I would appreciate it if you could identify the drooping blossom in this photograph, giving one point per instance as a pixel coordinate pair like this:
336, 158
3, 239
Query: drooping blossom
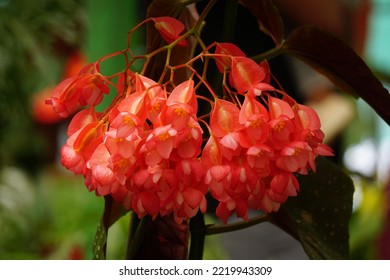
148, 149
170, 29
86, 88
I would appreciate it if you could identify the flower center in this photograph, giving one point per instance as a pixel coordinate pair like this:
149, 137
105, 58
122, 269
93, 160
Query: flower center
279, 126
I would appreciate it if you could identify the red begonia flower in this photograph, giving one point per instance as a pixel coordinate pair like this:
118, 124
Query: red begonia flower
225, 52
248, 76
77, 91
170, 29
224, 118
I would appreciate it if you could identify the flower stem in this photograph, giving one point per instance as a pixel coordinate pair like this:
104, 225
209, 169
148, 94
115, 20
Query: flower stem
197, 226
134, 222
216, 229
203, 15
268, 55
228, 31
136, 236
229, 21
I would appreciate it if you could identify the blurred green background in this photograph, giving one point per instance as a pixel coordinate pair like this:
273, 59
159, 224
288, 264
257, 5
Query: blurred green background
47, 213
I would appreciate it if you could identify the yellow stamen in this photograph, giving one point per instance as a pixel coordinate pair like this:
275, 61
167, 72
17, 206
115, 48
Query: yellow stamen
255, 123
156, 108
127, 120
164, 136
180, 111
279, 126
122, 163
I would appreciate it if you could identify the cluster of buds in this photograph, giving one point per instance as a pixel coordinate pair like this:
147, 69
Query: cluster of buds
152, 151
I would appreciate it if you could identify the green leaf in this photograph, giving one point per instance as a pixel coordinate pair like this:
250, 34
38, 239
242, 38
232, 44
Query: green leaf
112, 212
100, 242
319, 216
336, 60
268, 16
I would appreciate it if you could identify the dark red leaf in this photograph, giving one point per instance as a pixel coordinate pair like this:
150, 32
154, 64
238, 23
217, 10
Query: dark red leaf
159, 239
267, 14
335, 59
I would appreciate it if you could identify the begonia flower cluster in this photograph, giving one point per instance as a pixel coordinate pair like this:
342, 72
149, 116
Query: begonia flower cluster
152, 151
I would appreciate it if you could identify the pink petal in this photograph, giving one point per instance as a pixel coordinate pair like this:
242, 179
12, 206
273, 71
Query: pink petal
278, 107
225, 52
192, 197
246, 73
224, 118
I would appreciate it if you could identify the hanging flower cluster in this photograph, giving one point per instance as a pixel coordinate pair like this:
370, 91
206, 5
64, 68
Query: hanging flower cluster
154, 152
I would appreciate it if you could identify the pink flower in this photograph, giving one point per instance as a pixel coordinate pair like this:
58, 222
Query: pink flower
180, 106
294, 157
170, 29
259, 158
70, 94
100, 176
225, 209
146, 203
282, 186
159, 144
248, 76
64, 98
189, 140
92, 88
224, 54
80, 146
254, 118
281, 122
148, 149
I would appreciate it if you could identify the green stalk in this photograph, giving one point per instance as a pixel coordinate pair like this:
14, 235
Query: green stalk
270, 54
